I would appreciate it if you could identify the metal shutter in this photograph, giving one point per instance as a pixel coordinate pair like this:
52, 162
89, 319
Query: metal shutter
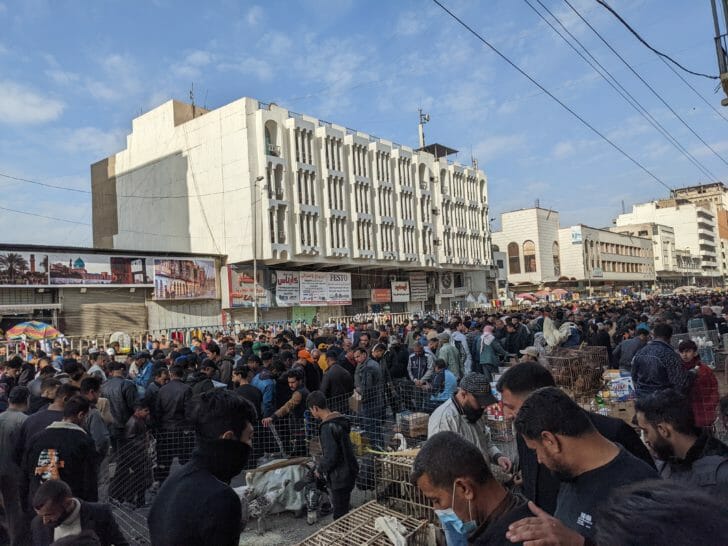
102, 311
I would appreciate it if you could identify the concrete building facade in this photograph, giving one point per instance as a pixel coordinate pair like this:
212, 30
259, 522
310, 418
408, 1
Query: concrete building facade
254, 181
673, 266
538, 253
694, 227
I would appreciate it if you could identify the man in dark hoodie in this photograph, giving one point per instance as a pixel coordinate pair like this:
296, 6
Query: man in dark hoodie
338, 462
197, 506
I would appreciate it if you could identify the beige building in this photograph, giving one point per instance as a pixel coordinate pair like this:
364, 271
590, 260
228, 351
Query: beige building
673, 266
254, 181
694, 227
539, 252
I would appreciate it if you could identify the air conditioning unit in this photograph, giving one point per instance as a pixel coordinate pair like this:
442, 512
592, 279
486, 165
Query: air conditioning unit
423, 185
435, 211
436, 242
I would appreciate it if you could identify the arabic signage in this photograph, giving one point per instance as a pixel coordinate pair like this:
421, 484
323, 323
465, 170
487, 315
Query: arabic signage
418, 286
286, 288
400, 291
381, 295
318, 288
576, 237
242, 288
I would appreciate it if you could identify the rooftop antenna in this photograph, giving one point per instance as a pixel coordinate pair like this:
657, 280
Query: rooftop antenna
538, 203
424, 118
623, 209
192, 98
204, 102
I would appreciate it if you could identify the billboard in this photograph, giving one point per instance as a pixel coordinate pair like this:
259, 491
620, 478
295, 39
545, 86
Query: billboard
400, 291
241, 287
324, 288
418, 286
98, 269
184, 279
23, 268
381, 295
287, 288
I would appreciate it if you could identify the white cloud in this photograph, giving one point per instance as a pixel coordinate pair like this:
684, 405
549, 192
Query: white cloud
254, 16
250, 66
3, 8
62, 77
120, 79
192, 65
703, 151
497, 146
563, 149
93, 141
21, 105
410, 23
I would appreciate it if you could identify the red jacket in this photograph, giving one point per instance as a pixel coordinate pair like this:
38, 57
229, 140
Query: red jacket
704, 395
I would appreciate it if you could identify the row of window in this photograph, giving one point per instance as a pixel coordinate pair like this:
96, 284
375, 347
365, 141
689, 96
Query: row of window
309, 228
530, 265
306, 185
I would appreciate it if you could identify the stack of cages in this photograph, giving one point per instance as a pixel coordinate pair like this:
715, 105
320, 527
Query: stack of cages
579, 372
396, 491
357, 528
709, 344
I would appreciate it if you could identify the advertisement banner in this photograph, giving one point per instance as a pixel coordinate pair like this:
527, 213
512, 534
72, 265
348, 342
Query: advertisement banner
400, 291
446, 283
184, 279
286, 285
339, 288
98, 269
381, 295
418, 286
313, 288
23, 268
242, 288
576, 237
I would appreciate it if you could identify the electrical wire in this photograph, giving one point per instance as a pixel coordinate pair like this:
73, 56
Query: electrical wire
552, 96
700, 96
648, 46
662, 100
618, 87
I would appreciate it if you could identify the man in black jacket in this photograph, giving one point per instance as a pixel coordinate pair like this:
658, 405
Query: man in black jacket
539, 483
64, 451
172, 411
59, 514
338, 462
196, 506
122, 395
337, 384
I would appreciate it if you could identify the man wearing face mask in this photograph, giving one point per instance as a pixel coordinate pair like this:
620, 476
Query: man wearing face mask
196, 506
589, 466
60, 514
463, 414
471, 505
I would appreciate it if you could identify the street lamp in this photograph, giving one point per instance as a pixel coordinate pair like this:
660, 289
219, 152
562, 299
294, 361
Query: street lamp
255, 250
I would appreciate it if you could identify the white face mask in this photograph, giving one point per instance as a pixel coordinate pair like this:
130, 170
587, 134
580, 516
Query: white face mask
448, 518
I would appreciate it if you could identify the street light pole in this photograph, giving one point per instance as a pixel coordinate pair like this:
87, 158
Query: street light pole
255, 250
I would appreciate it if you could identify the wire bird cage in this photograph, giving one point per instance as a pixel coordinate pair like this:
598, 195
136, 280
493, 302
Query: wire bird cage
579, 371
392, 475
709, 342
357, 529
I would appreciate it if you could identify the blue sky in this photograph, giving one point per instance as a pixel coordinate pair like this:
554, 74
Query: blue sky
73, 74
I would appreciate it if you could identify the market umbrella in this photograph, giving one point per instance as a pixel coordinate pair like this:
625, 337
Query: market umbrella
32, 330
526, 296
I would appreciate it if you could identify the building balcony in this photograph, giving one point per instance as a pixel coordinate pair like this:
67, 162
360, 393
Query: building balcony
273, 150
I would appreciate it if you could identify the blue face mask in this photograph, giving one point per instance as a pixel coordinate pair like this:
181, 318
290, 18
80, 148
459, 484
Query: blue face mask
451, 521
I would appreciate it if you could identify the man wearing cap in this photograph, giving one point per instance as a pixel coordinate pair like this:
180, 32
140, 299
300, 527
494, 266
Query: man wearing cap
530, 354
463, 414
449, 353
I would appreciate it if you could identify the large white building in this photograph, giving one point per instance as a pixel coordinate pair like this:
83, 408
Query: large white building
673, 266
694, 227
251, 180
539, 253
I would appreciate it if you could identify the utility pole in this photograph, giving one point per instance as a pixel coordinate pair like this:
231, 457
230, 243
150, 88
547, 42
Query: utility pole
424, 118
256, 201
721, 45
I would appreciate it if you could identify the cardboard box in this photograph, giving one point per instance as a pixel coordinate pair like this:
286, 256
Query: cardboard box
414, 424
622, 410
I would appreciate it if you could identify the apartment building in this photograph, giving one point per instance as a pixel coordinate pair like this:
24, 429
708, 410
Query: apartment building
539, 253
258, 183
673, 266
694, 227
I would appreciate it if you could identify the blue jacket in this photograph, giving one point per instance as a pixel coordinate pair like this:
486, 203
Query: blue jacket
144, 377
265, 383
450, 383
657, 367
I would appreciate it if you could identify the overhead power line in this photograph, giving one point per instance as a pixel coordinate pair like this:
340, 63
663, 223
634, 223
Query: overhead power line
618, 87
662, 100
648, 46
551, 95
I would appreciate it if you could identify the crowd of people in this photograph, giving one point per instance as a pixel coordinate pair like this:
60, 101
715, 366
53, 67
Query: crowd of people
81, 429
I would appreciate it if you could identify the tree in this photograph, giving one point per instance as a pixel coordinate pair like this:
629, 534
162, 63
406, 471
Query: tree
14, 265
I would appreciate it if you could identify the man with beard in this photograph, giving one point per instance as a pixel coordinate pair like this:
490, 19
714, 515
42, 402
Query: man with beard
462, 414
197, 506
60, 514
539, 484
589, 466
686, 455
